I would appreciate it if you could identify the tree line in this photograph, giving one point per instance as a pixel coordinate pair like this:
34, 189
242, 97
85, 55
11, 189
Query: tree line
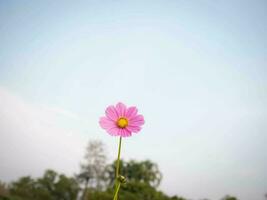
95, 181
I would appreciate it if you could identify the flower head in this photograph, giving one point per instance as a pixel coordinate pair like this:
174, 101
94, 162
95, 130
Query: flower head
121, 121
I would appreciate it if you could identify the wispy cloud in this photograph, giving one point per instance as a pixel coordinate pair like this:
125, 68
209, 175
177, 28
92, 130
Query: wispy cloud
32, 140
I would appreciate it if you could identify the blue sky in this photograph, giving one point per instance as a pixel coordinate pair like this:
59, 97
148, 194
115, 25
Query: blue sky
195, 69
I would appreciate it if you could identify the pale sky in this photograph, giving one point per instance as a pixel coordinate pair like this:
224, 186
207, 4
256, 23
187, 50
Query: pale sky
195, 69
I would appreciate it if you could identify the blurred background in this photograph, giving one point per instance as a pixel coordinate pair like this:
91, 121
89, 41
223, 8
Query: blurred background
196, 70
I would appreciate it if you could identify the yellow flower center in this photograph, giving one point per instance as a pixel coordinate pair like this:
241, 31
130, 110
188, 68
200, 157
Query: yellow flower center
122, 122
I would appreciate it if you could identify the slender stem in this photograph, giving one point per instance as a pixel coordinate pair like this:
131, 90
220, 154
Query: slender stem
117, 183
117, 191
118, 160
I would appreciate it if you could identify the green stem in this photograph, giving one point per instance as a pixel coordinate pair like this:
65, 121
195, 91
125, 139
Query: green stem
117, 183
118, 160
117, 192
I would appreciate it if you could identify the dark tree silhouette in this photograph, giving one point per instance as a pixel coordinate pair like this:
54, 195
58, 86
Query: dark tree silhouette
229, 197
51, 186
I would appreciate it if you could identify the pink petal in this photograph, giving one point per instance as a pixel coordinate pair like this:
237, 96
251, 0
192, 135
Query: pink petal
114, 131
106, 123
111, 113
125, 133
138, 120
134, 129
121, 109
131, 112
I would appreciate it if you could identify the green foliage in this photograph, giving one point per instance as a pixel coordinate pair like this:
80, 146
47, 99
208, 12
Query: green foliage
143, 171
228, 197
142, 181
24, 188
51, 186
129, 191
93, 194
141, 190
94, 182
179, 198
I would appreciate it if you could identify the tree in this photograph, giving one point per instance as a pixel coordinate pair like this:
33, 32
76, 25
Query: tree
66, 188
228, 197
141, 190
93, 167
178, 198
142, 179
51, 186
3, 190
24, 188
143, 172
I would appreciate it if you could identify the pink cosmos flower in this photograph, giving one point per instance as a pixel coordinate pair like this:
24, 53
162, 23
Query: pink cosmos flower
121, 121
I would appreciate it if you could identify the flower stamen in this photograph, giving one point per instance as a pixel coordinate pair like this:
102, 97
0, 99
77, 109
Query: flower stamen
122, 122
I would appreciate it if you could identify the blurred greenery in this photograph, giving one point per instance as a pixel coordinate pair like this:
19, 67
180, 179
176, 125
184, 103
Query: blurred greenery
228, 197
52, 186
95, 181
139, 172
